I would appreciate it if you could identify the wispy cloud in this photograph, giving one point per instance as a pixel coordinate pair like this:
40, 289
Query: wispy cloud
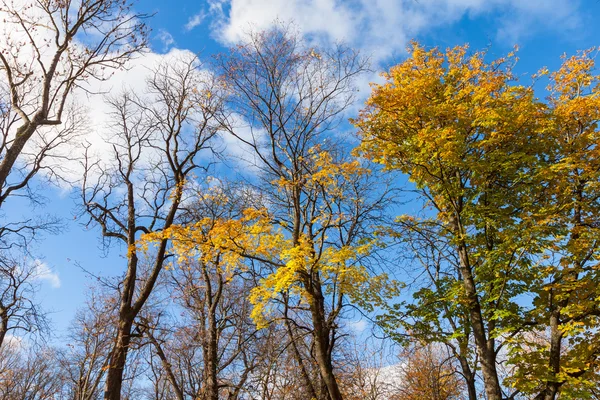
43, 272
358, 326
166, 39
194, 21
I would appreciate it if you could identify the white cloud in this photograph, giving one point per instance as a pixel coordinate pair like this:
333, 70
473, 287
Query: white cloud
194, 21
93, 123
98, 120
358, 326
166, 39
382, 28
15, 343
43, 272
327, 17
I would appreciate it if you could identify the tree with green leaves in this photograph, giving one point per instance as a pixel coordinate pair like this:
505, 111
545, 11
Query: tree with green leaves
465, 133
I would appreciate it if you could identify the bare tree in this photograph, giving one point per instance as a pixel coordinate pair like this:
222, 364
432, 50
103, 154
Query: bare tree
280, 376
29, 373
158, 141
50, 48
18, 310
85, 359
203, 356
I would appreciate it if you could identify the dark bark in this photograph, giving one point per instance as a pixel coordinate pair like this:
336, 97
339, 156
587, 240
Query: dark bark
552, 387
118, 359
469, 378
484, 344
3, 325
23, 134
211, 344
311, 393
322, 342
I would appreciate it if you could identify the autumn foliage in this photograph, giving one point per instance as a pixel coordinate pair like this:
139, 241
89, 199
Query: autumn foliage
449, 252
509, 185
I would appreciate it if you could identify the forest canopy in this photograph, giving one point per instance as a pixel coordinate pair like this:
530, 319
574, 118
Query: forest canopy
456, 210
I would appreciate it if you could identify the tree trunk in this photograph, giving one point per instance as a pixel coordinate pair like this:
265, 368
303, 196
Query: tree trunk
469, 378
118, 359
210, 357
24, 133
556, 335
3, 326
551, 389
485, 346
321, 335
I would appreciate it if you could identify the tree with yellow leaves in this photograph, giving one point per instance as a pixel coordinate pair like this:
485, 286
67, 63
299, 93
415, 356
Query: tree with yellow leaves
322, 204
562, 355
313, 232
511, 190
465, 133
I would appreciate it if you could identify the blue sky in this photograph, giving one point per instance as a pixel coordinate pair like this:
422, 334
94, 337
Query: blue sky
543, 29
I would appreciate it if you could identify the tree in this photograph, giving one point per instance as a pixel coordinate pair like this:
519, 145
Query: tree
52, 48
562, 354
158, 142
29, 373
84, 361
312, 238
210, 348
467, 136
18, 311
428, 373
